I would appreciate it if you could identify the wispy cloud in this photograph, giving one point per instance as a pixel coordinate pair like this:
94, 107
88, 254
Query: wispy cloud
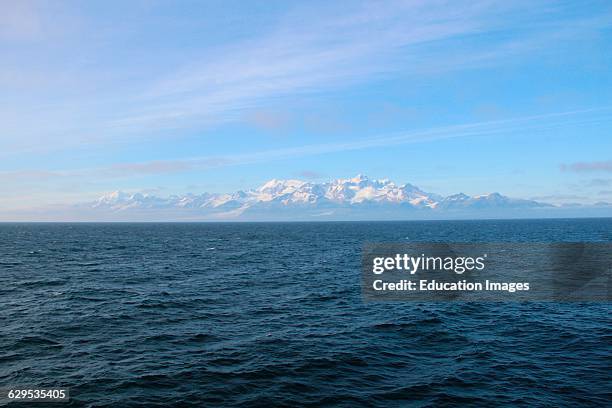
584, 167
512, 126
311, 54
309, 51
308, 54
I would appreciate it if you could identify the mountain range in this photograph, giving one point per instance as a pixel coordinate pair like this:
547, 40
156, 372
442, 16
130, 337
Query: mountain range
354, 198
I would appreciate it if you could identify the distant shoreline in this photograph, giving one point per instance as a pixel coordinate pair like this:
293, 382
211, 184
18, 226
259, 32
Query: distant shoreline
311, 221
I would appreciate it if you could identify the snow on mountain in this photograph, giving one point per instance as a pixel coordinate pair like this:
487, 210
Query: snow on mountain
356, 193
119, 200
490, 201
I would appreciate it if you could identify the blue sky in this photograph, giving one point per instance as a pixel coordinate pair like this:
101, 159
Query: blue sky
190, 96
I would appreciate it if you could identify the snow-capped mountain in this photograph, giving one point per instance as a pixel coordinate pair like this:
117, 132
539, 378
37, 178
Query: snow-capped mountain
490, 201
295, 198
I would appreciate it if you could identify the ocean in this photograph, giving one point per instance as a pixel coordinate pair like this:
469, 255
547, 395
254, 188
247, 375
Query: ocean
272, 314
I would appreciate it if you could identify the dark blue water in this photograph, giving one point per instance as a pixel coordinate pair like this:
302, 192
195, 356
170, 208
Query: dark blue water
272, 315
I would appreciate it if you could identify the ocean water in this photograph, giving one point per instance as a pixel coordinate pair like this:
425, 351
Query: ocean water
272, 315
